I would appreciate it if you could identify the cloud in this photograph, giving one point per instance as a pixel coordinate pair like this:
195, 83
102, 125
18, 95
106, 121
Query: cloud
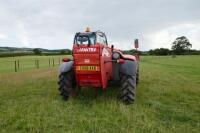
165, 37
22, 34
53, 23
3, 36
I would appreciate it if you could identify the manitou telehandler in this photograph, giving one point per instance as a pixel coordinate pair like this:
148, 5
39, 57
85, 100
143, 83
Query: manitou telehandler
97, 65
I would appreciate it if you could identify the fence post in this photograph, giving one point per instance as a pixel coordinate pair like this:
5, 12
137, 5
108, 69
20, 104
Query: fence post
49, 62
53, 62
15, 66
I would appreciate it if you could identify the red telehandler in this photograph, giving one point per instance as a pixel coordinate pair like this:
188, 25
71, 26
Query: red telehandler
97, 65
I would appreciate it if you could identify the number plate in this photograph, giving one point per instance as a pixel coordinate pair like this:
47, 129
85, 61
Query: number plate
87, 68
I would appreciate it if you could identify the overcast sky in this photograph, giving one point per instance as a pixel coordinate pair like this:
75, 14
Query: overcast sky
52, 24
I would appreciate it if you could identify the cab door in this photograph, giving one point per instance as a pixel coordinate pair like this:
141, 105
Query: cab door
106, 56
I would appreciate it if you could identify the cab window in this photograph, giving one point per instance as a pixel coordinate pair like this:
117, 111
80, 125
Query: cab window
101, 39
104, 40
85, 39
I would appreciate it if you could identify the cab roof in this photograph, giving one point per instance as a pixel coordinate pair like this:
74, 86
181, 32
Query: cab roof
89, 33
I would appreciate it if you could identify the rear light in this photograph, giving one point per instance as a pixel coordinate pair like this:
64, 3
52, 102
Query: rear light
120, 61
66, 59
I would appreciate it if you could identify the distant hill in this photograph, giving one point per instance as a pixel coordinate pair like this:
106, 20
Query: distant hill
29, 50
14, 51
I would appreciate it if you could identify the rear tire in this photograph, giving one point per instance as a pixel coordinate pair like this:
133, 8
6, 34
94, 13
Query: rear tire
66, 84
137, 76
128, 87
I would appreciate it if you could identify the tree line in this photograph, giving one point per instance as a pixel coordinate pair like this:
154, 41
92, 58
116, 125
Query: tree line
36, 51
181, 46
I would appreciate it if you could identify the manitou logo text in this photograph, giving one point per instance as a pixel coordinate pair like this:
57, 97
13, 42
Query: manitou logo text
87, 50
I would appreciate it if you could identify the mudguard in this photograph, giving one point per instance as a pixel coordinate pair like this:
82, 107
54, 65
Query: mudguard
128, 68
66, 67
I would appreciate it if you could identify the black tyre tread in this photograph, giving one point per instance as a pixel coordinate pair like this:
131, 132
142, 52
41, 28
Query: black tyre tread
65, 84
128, 87
137, 76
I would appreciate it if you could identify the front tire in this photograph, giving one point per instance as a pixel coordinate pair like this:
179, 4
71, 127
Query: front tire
128, 87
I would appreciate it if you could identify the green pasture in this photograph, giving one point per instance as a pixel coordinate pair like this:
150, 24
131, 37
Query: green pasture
167, 101
7, 64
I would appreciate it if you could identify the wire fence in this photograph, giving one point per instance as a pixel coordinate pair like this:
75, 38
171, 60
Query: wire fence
22, 64
17, 64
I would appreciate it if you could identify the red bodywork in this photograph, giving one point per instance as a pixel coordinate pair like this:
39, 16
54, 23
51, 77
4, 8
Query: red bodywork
127, 57
93, 56
93, 63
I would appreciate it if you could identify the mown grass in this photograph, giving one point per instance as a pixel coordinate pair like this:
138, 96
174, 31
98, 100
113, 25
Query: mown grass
168, 100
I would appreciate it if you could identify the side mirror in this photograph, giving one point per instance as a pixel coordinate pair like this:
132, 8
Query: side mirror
136, 44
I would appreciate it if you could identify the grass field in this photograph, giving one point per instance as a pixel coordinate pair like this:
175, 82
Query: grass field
28, 62
168, 100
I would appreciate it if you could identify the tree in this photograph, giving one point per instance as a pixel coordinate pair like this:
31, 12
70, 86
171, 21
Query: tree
131, 52
181, 45
159, 51
62, 52
37, 51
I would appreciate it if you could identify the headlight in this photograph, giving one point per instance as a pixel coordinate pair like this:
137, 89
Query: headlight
116, 56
